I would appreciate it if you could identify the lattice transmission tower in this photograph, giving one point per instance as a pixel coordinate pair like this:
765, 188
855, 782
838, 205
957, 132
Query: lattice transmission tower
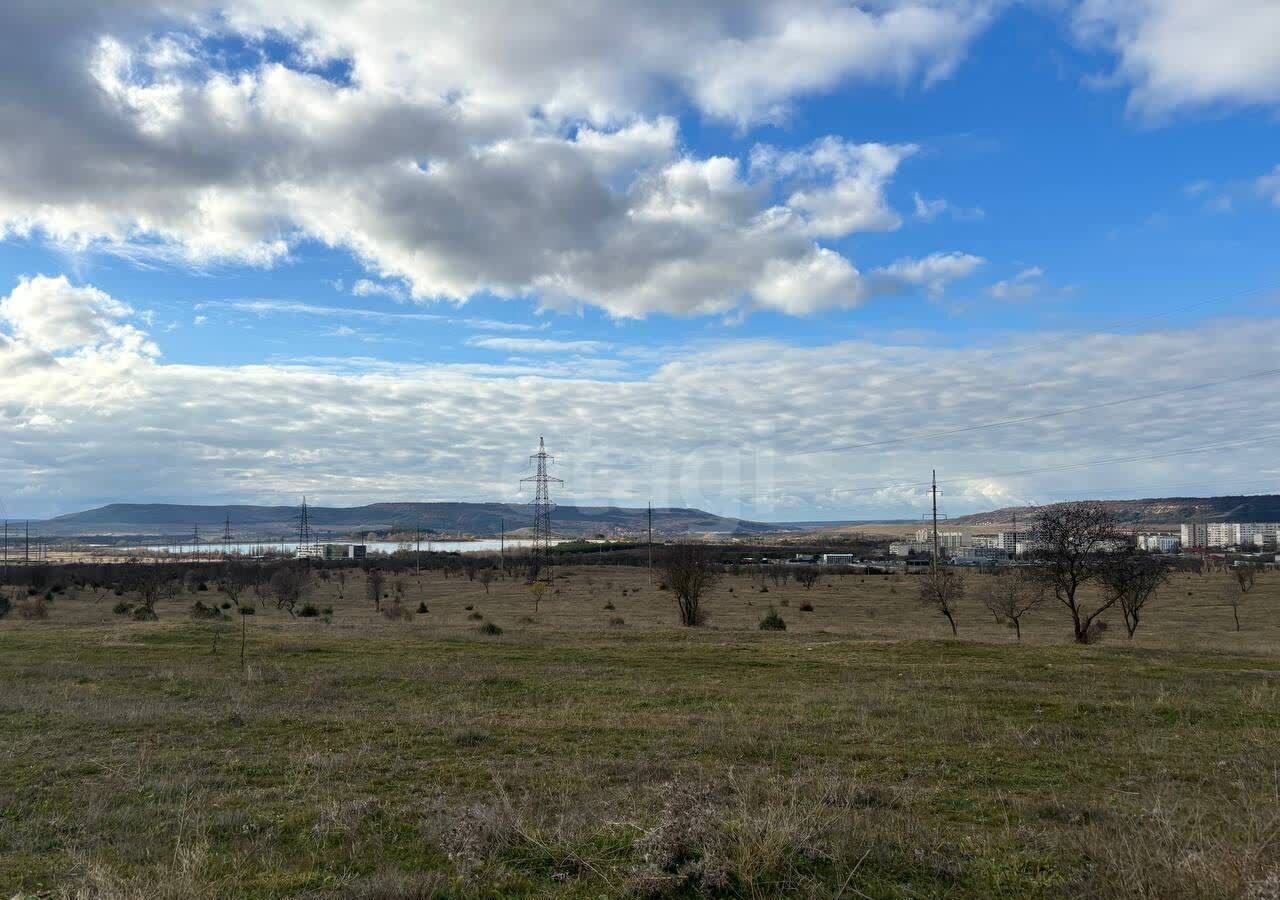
540, 552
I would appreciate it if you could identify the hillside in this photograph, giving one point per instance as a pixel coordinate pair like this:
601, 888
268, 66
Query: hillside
161, 519
1156, 511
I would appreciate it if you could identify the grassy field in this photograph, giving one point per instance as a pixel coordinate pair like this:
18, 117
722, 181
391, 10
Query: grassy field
593, 749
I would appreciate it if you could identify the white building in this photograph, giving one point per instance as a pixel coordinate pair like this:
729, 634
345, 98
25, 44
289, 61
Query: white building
837, 559
947, 540
1220, 534
907, 548
1159, 543
1237, 534
1195, 534
1007, 540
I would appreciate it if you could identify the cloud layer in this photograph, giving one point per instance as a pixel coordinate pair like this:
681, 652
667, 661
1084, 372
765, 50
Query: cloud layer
463, 151
737, 428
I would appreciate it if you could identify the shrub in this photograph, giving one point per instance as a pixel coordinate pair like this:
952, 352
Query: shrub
468, 608
617, 621
5, 606
308, 611
328, 610
609, 605
422, 608
806, 606
491, 629
475, 616
33, 608
226, 605
200, 611
247, 610
772, 621
122, 608
144, 614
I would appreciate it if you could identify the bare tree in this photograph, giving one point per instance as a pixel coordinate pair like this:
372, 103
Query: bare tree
1233, 595
807, 575
486, 578
1132, 579
288, 585
1012, 596
232, 583
689, 573
1068, 541
373, 584
1246, 577
942, 590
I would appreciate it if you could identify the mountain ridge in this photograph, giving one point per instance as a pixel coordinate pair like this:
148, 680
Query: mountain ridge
1156, 510
250, 520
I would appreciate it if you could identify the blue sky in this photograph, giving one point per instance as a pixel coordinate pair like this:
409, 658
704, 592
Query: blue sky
801, 225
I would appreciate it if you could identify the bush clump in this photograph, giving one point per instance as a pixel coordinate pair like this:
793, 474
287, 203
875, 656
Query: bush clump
5, 606
122, 608
422, 608
772, 621
491, 628
200, 611
806, 606
33, 608
308, 611
475, 616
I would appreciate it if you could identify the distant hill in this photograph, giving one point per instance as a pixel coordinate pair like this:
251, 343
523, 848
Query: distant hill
261, 522
1156, 511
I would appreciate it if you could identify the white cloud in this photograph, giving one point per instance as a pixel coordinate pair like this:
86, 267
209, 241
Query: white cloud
1187, 54
51, 314
934, 272
1024, 286
731, 427
536, 345
455, 160
929, 210
366, 288
1269, 186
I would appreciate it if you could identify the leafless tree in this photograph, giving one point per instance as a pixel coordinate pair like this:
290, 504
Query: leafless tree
1068, 541
342, 582
1233, 595
1246, 577
941, 591
1012, 596
1132, 579
232, 583
689, 572
288, 585
486, 578
151, 586
807, 575
373, 584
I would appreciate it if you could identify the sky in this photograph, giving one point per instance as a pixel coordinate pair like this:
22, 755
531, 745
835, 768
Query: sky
777, 260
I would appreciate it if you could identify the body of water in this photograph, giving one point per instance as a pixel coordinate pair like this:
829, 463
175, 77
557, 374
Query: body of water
255, 548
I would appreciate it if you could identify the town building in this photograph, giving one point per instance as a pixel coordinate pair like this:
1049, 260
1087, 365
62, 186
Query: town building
1159, 543
1195, 534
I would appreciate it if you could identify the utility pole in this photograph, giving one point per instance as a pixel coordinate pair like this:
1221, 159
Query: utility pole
417, 555
195, 541
650, 543
26, 543
934, 492
502, 545
226, 539
542, 507
1015, 536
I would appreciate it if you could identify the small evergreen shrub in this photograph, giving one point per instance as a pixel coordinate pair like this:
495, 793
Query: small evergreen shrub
772, 621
